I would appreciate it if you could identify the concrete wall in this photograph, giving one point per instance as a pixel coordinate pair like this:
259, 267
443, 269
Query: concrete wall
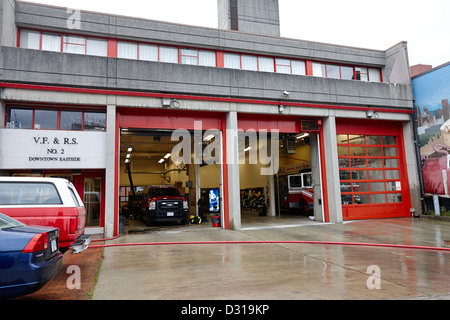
67, 69
19, 65
8, 33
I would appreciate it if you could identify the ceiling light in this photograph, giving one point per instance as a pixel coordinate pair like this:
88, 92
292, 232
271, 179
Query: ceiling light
248, 148
302, 135
127, 160
161, 161
208, 138
167, 156
128, 155
130, 149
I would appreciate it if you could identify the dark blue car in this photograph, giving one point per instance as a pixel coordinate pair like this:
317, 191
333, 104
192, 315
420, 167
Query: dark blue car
29, 257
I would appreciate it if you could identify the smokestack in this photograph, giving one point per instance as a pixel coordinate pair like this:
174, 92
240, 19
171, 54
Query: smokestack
251, 16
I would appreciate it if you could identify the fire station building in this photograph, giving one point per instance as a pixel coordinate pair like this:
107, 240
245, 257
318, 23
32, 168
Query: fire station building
98, 99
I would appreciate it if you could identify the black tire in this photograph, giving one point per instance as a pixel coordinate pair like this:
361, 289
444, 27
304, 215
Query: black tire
304, 209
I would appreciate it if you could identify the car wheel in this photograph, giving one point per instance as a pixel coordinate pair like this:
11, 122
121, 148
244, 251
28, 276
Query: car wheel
304, 209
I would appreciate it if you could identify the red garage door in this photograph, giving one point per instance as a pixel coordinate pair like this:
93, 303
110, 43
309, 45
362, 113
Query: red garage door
372, 170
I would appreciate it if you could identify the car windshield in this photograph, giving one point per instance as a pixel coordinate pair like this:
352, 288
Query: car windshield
7, 222
163, 192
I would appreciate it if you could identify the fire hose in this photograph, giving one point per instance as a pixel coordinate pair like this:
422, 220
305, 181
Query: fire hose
363, 244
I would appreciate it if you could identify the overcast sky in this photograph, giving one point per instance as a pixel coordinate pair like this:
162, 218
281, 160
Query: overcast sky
377, 24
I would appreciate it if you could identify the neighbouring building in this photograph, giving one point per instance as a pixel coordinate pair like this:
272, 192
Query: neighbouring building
431, 90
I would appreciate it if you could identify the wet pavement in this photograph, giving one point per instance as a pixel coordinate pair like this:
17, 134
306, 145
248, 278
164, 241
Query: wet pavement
279, 271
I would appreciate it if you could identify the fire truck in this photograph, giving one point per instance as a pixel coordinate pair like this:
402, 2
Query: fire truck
296, 192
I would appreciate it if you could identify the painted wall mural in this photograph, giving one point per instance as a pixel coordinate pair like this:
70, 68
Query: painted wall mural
432, 94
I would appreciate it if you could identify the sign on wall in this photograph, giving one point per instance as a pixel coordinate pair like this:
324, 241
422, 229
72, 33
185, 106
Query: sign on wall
48, 149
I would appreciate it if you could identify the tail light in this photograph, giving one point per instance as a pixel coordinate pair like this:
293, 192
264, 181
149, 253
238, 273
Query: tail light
38, 243
74, 226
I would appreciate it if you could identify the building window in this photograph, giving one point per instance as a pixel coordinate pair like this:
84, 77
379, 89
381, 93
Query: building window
74, 44
19, 118
51, 42
96, 47
168, 54
289, 66
266, 64
70, 43
374, 75
248, 62
189, 56
157, 53
232, 61
45, 119
369, 169
54, 119
71, 120
207, 58
127, 50
335, 71
148, 52
347, 73
198, 57
94, 121
30, 39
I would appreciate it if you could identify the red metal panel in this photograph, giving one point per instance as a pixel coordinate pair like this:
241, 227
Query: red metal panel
269, 122
112, 48
168, 119
368, 127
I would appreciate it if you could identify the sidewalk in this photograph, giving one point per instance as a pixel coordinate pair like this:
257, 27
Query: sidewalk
264, 271
88, 262
281, 271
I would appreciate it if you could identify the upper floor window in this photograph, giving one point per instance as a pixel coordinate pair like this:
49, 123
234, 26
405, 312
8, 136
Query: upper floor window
48, 41
263, 63
335, 71
248, 62
78, 44
289, 66
198, 57
151, 52
55, 119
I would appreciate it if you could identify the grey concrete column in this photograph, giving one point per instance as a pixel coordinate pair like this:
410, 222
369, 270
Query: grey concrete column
2, 113
110, 175
232, 158
316, 176
271, 209
412, 167
332, 169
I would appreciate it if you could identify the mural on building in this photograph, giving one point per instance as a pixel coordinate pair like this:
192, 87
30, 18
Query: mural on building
432, 94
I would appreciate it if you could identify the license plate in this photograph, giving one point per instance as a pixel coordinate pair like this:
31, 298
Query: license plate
170, 214
53, 245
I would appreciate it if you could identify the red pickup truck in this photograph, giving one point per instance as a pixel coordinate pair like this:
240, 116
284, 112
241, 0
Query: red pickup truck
50, 202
